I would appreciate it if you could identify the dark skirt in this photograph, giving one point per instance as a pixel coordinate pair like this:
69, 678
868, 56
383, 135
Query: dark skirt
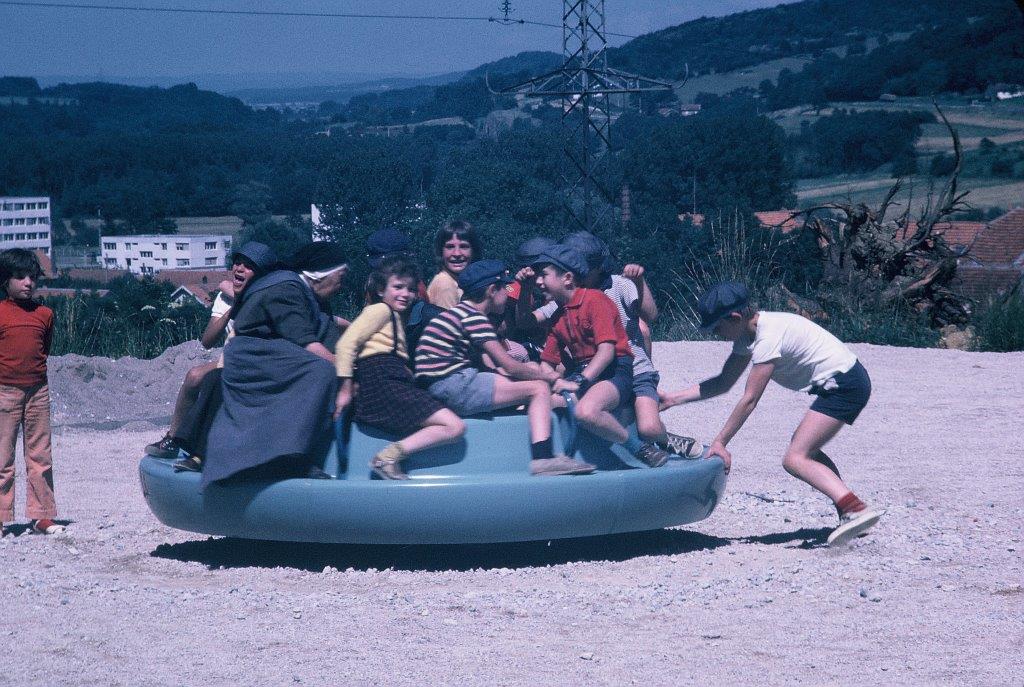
278, 399
388, 397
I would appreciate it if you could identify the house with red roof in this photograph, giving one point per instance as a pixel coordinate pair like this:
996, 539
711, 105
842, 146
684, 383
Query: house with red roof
994, 261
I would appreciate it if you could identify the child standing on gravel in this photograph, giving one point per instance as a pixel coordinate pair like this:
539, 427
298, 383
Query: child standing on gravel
26, 330
799, 355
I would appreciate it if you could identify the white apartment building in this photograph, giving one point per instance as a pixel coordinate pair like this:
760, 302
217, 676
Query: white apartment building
25, 223
151, 253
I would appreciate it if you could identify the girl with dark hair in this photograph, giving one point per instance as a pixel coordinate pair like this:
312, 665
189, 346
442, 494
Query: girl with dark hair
373, 354
456, 245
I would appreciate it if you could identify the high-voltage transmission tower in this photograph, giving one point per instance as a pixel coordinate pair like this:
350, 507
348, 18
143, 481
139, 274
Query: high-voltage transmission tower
592, 95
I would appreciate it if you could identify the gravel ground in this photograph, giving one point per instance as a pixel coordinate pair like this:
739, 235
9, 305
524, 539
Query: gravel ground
933, 595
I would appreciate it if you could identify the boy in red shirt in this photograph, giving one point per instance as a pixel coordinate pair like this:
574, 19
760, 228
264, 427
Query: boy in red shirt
588, 339
26, 329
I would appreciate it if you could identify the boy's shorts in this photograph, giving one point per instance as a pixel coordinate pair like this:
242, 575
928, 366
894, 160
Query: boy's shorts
468, 391
620, 373
645, 385
845, 401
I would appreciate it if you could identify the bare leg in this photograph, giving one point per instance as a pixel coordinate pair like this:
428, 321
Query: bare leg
648, 420
442, 427
187, 394
592, 411
814, 431
537, 393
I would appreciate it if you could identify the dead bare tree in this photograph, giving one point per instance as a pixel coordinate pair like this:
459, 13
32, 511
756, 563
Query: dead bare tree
897, 261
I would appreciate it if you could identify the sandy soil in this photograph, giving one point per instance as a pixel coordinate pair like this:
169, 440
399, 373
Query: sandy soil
933, 595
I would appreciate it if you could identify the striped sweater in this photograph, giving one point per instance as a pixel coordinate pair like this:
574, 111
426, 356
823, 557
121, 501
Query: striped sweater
452, 341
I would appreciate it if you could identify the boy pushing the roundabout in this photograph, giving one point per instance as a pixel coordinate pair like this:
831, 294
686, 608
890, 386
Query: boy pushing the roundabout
799, 355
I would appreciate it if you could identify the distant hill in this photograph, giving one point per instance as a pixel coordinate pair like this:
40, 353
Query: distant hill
340, 93
802, 28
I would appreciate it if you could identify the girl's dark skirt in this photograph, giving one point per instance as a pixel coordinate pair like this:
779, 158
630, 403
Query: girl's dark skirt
388, 397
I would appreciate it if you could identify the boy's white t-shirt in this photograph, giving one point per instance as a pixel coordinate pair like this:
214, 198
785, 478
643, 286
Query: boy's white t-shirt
805, 354
221, 304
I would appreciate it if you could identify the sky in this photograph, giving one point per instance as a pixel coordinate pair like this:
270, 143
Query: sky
52, 43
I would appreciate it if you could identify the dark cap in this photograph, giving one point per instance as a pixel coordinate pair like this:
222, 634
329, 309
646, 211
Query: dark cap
721, 300
318, 256
564, 258
594, 250
384, 242
531, 249
483, 273
260, 255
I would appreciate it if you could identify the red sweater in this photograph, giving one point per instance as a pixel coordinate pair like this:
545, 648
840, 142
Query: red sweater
26, 329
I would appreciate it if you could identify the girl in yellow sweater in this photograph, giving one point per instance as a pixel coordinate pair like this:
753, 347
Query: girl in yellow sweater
372, 353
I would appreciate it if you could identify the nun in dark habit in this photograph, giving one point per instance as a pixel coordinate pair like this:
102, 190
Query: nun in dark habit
279, 382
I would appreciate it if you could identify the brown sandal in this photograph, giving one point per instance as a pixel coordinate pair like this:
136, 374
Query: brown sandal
385, 463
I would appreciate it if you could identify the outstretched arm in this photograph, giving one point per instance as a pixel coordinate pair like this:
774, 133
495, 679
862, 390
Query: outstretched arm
515, 369
709, 388
757, 380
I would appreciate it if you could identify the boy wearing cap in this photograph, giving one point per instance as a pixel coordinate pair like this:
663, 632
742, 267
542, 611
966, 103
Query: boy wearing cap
587, 338
799, 355
449, 364
635, 303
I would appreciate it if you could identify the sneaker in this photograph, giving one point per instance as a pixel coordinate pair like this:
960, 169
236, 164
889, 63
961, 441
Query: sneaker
685, 447
652, 455
45, 526
852, 525
188, 464
316, 473
559, 465
167, 448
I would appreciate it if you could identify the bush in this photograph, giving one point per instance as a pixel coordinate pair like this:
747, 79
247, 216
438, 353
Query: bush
135, 319
1000, 325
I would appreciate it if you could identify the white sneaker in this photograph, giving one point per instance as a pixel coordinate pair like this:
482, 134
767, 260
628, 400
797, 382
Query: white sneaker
853, 525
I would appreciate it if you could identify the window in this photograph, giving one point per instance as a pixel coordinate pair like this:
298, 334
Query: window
181, 246
8, 206
211, 261
227, 244
43, 205
210, 245
146, 254
8, 222
163, 246
146, 269
31, 220
163, 261
30, 206
5, 237
182, 262
44, 235
19, 206
110, 262
19, 237
31, 236
44, 220
107, 245
19, 221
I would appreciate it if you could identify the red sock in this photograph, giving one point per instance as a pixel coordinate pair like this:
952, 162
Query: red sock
850, 504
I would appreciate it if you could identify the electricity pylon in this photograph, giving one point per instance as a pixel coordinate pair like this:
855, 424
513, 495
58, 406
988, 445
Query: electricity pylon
592, 95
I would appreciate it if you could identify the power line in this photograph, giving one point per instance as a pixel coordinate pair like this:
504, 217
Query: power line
282, 13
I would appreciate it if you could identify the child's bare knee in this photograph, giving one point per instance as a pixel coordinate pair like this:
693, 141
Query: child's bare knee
456, 427
649, 427
194, 377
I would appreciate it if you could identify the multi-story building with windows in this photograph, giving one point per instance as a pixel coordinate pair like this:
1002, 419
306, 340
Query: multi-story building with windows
25, 223
151, 253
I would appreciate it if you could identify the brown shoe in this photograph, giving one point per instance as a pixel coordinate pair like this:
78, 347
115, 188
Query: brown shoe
652, 455
560, 465
386, 463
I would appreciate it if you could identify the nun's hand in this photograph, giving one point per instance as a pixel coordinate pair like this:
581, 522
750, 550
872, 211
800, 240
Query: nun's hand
344, 399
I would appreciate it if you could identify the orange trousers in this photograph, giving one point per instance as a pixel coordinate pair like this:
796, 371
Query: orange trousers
28, 409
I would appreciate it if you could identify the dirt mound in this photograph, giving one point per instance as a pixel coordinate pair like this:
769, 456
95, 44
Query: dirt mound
105, 393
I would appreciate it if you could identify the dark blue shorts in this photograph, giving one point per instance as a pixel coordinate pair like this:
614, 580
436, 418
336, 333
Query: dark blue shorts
848, 398
620, 373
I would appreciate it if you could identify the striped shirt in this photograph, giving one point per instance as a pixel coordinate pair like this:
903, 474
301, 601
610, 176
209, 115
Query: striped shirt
452, 341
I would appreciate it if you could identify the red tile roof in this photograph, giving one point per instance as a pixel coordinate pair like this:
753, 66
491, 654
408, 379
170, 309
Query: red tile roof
45, 263
1002, 241
197, 291
780, 219
956, 232
979, 282
203, 278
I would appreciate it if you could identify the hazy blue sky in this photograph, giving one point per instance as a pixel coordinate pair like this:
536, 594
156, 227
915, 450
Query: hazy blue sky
92, 43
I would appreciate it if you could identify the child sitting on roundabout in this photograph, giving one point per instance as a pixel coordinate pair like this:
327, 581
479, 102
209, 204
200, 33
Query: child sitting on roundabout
449, 363
799, 355
372, 353
587, 339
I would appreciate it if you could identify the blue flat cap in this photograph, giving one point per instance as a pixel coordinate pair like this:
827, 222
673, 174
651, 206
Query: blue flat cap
483, 273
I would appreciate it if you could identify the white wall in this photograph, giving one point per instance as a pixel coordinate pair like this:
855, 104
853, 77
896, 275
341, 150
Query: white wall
25, 223
147, 254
